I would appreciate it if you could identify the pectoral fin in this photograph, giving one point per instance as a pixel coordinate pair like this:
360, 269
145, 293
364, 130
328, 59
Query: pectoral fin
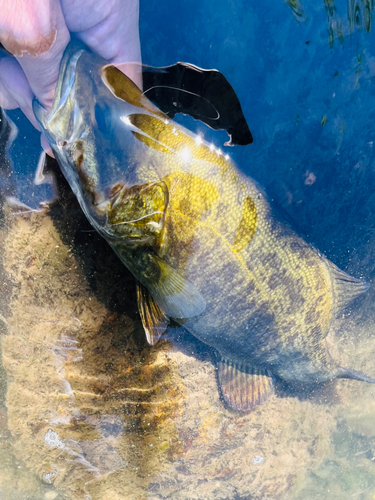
154, 321
175, 296
243, 387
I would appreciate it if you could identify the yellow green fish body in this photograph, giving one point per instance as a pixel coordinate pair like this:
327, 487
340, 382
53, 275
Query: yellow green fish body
202, 239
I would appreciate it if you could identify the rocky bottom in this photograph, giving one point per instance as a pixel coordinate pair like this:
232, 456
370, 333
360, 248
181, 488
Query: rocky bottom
92, 412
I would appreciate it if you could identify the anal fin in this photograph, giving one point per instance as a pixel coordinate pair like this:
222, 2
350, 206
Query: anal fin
243, 387
154, 321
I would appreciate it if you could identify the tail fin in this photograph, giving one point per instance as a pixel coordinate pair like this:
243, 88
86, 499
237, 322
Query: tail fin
346, 288
354, 375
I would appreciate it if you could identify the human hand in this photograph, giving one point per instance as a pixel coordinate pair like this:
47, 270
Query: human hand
36, 32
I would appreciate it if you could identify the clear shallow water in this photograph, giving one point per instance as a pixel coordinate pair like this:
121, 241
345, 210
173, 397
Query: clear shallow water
72, 321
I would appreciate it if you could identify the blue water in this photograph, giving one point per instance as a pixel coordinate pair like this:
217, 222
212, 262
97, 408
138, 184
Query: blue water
288, 77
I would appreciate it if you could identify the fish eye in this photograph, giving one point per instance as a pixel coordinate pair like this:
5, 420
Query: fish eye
103, 117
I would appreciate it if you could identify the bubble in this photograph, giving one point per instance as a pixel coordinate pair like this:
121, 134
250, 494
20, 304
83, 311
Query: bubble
52, 439
257, 460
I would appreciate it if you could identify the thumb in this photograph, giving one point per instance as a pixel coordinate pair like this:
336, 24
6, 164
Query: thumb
35, 32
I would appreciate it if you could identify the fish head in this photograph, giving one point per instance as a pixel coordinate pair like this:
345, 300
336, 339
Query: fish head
120, 154
89, 131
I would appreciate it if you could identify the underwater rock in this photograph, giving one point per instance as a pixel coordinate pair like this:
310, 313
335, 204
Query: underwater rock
84, 401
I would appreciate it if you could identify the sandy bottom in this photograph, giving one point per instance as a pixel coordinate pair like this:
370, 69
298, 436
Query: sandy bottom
90, 411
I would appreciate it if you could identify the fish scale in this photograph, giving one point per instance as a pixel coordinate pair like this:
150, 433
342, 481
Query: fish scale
206, 246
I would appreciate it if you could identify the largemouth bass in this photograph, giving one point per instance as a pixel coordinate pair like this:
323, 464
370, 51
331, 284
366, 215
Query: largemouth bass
202, 239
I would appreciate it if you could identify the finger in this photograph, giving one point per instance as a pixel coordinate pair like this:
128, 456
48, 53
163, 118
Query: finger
26, 26
45, 145
15, 91
133, 71
109, 28
36, 33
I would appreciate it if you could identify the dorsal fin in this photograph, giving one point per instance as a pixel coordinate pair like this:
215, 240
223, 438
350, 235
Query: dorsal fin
345, 287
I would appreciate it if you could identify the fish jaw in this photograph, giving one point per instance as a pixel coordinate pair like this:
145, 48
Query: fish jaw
65, 129
59, 124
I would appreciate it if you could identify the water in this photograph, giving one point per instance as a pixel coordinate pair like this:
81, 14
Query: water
88, 410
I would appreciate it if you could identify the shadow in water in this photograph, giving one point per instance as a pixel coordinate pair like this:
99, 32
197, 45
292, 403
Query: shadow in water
110, 281
322, 394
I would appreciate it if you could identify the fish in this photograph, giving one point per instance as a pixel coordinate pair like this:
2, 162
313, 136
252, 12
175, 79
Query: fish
207, 248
